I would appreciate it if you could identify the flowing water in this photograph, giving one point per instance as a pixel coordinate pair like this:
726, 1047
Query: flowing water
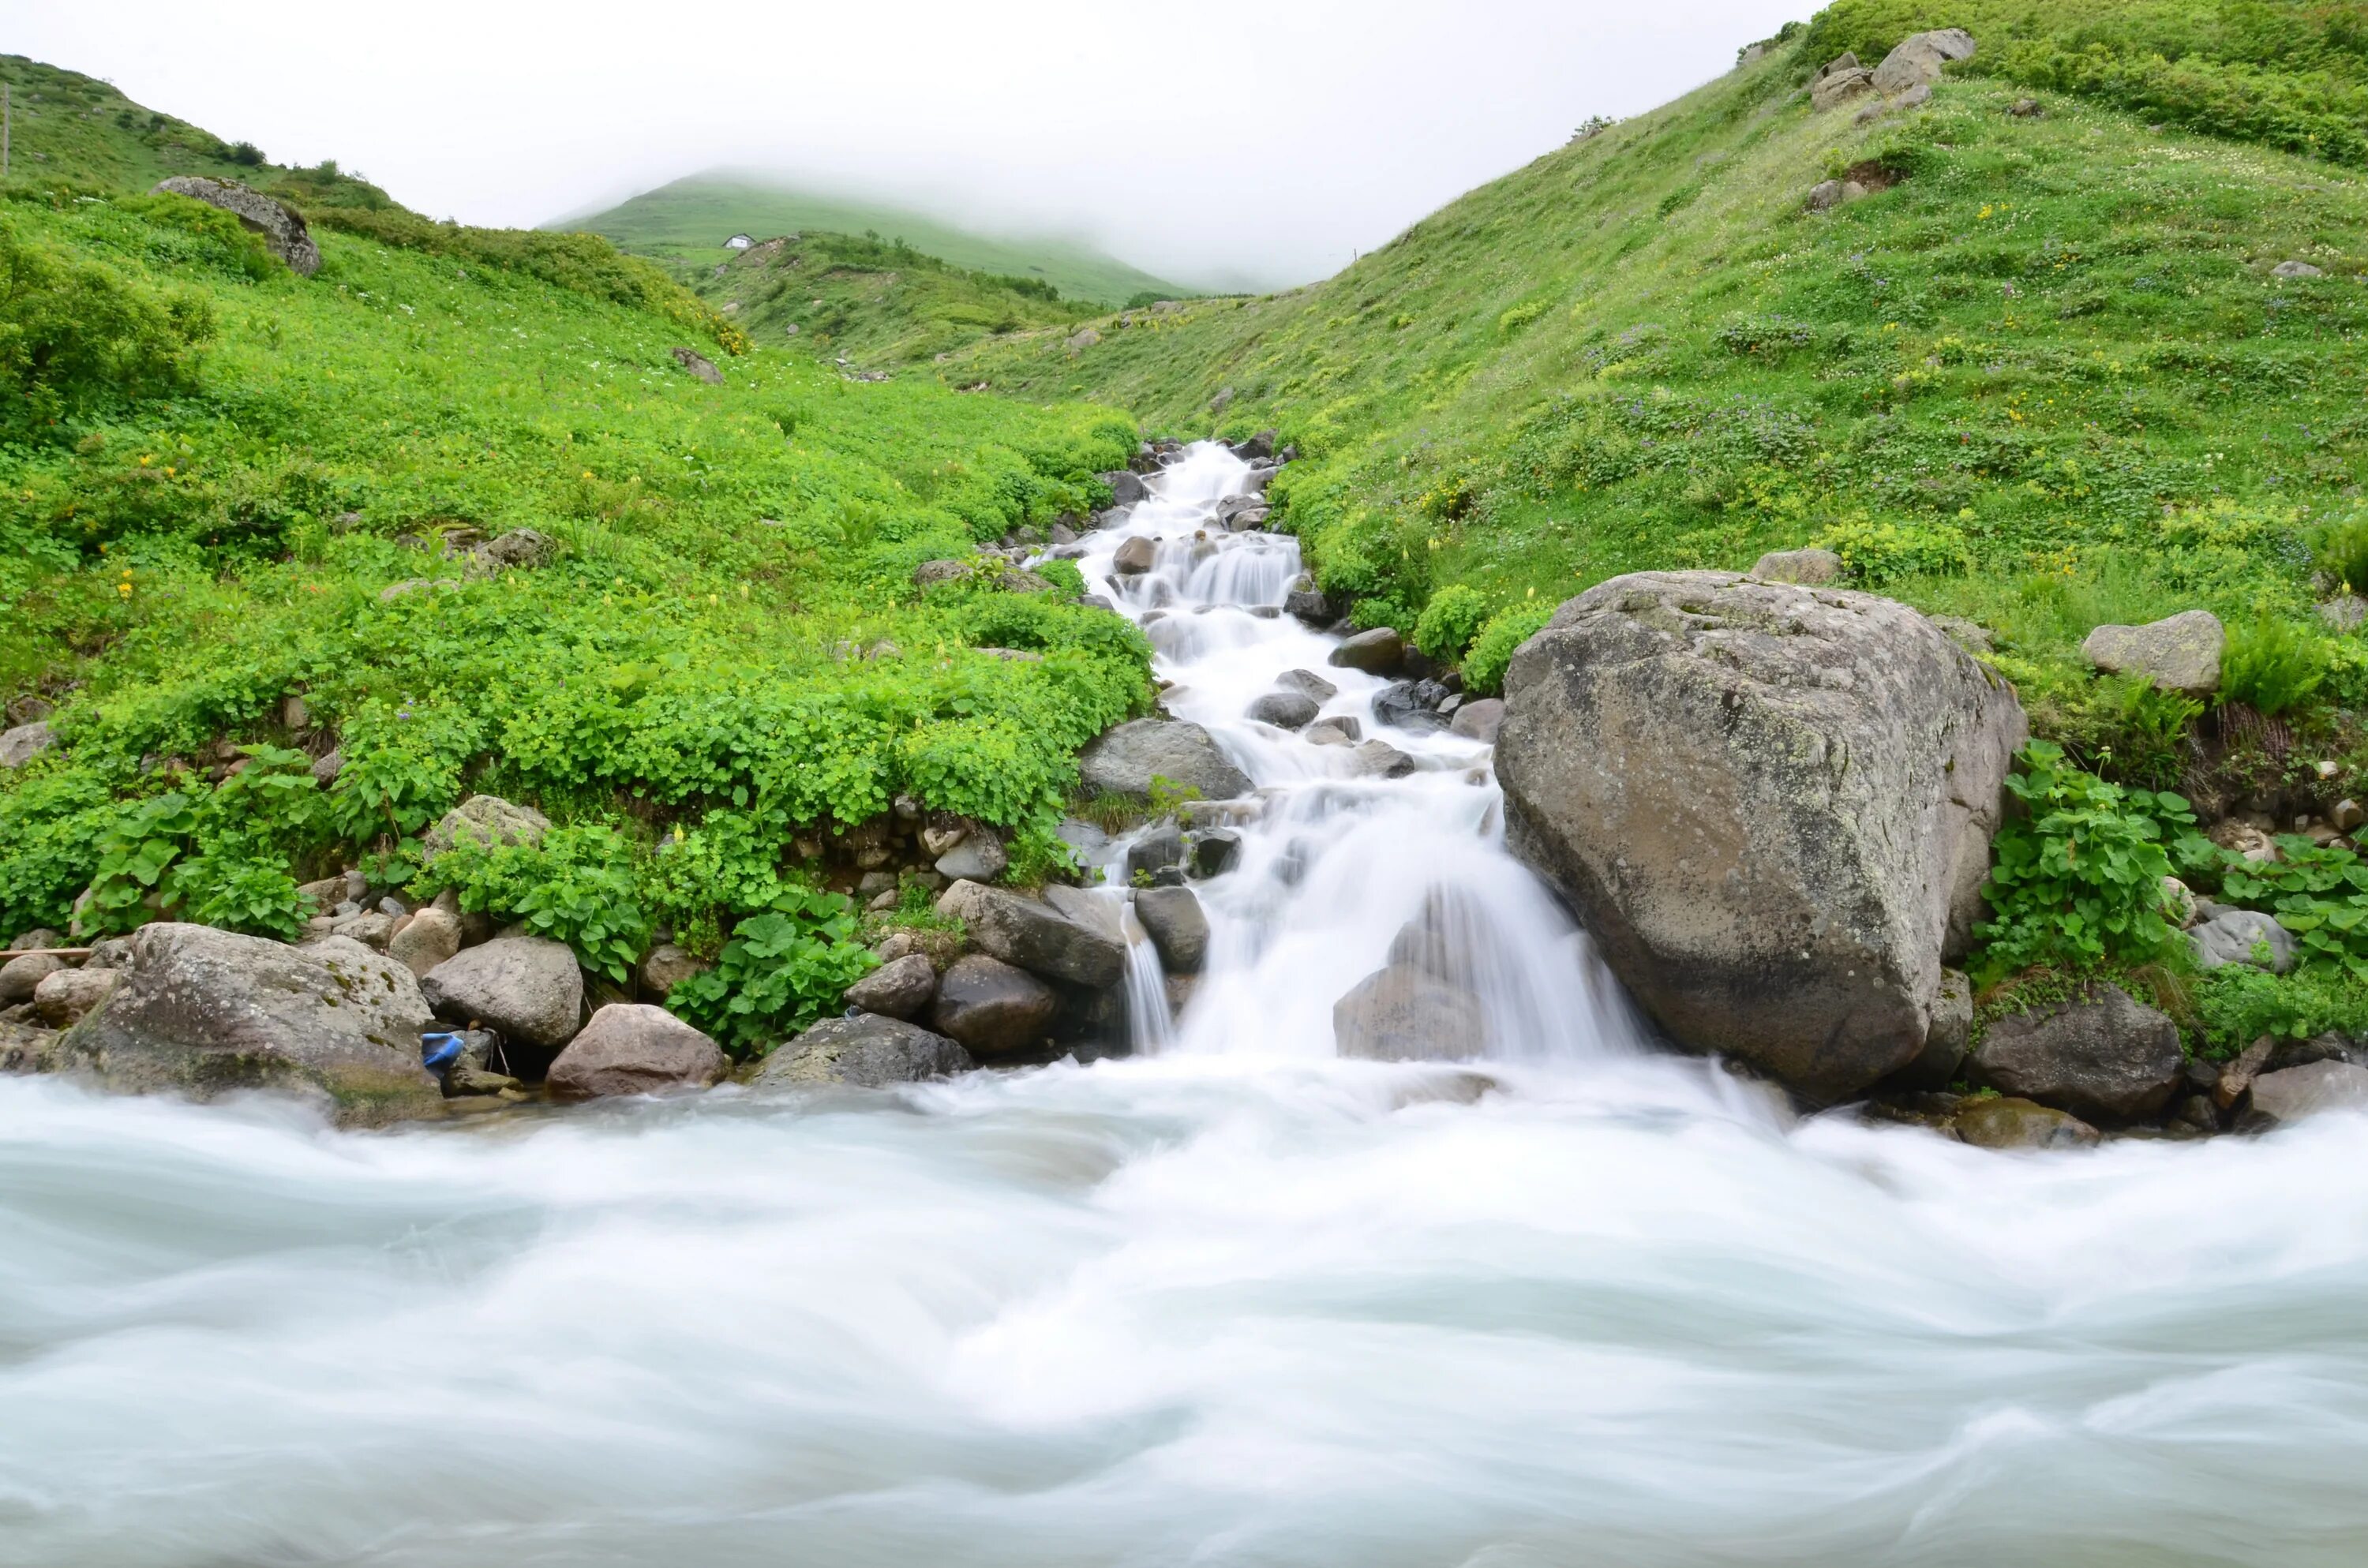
1234, 1301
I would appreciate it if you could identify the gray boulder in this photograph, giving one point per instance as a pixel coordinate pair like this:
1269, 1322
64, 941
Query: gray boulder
26, 742
1810, 568
992, 1007
1377, 653
2097, 1054
200, 1012
527, 988
699, 365
2296, 270
979, 857
1379, 759
519, 547
429, 937
929, 573
867, 1051
1771, 805
65, 998
1307, 603
1400, 1014
1916, 61
1946, 1042
1284, 709
1836, 87
1156, 850
1178, 926
631, 1048
2232, 936
1126, 488
1125, 760
1135, 556
1824, 196
2292, 1093
488, 820
281, 226
2180, 652
2005, 1123
666, 966
1214, 851
1308, 684
900, 989
1401, 706
1035, 937
1480, 720
20, 976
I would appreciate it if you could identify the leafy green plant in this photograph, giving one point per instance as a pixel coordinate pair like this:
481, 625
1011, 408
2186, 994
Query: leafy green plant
219, 856
2077, 882
2320, 895
2271, 664
1484, 666
2340, 550
576, 885
1450, 622
782, 969
75, 332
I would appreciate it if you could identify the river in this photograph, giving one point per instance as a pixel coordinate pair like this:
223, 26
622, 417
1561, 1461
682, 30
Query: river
1232, 1300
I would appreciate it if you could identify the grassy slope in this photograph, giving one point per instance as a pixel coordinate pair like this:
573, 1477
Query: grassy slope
679, 685
690, 219
871, 302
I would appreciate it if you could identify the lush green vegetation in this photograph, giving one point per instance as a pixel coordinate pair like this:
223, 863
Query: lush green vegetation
227, 486
876, 302
688, 221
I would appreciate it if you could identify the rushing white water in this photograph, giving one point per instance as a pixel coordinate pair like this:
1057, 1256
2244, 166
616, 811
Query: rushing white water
1235, 1301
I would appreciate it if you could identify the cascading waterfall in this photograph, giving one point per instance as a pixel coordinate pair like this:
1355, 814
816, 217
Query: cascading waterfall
1235, 1301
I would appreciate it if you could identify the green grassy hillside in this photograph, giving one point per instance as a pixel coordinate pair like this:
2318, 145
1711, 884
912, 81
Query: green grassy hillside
688, 221
215, 477
876, 303
2044, 376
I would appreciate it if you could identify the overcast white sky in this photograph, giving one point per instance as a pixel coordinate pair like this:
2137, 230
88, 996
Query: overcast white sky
1255, 139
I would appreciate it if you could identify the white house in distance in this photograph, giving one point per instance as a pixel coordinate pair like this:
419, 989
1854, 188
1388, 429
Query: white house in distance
738, 242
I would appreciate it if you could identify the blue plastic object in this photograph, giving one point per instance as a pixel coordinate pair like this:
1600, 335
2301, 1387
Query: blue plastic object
438, 1051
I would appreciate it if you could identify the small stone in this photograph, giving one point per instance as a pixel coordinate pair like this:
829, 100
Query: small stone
2243, 936
2296, 270
1379, 759
2008, 1122
1811, 567
632, 1049
1479, 719
26, 742
1308, 684
1284, 709
429, 937
66, 996
897, 990
21, 976
2293, 1092
1178, 926
979, 857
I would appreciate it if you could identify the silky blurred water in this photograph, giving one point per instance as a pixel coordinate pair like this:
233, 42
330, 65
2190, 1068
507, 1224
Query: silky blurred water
1234, 1301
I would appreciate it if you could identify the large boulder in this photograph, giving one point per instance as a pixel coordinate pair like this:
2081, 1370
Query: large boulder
899, 989
1810, 568
1380, 652
1480, 718
632, 1049
1125, 760
427, 939
201, 1012
488, 820
281, 226
2002, 1121
1176, 924
2180, 653
992, 1007
67, 996
1771, 805
1034, 936
1916, 61
527, 988
23, 974
2243, 936
2292, 1093
2096, 1053
1126, 488
1401, 1014
867, 1051
23, 743
1284, 709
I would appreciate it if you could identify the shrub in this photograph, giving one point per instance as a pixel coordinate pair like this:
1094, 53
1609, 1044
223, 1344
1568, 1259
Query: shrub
1876, 554
576, 885
2271, 666
1450, 622
781, 970
1484, 666
2078, 881
75, 334
2340, 550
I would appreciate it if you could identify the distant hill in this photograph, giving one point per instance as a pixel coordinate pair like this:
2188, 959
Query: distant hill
690, 219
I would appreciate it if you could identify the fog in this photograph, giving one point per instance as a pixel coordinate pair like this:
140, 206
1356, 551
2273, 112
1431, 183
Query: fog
1233, 142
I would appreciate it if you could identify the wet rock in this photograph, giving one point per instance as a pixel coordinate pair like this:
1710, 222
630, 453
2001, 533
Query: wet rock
23, 743
1126, 489
631, 1048
993, 1007
1256, 449
20, 976
699, 365
425, 941
1379, 759
488, 820
2237, 1075
1160, 847
2006, 1122
2180, 652
2293, 1092
1178, 926
902, 989
1479, 719
528, 989
1335, 732
281, 226
64, 997
1215, 851
1135, 556
1034, 936
1380, 652
1400, 1014
979, 857
867, 1053
1401, 705
201, 1012
1308, 603
1947, 1039
1125, 760
1771, 806
2243, 936
1284, 709
2328, 1047
1808, 567
1917, 60
1308, 684
2097, 1054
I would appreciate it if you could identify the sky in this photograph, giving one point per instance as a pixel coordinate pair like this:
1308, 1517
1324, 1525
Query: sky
1215, 142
